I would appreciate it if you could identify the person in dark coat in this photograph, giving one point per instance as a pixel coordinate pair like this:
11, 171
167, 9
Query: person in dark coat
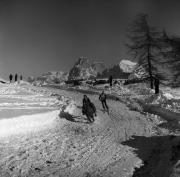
88, 109
102, 98
110, 81
16, 78
156, 84
21, 77
10, 78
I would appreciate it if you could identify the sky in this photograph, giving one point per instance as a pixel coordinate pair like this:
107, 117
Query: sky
37, 36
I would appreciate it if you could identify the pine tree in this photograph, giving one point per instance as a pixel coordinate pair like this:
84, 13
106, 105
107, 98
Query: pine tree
144, 44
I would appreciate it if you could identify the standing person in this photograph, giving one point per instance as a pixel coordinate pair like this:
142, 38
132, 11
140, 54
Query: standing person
16, 78
102, 98
110, 80
156, 84
88, 109
10, 78
21, 77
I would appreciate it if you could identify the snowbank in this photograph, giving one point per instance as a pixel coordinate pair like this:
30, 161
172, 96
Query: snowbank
168, 96
25, 124
71, 108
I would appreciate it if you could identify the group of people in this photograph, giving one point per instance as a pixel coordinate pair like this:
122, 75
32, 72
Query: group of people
89, 109
15, 77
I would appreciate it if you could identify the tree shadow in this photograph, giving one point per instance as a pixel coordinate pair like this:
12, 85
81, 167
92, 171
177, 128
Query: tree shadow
159, 154
72, 118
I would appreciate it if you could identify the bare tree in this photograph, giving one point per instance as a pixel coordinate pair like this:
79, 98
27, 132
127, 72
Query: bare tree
144, 44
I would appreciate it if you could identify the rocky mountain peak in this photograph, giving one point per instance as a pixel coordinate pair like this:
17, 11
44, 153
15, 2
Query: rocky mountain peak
85, 68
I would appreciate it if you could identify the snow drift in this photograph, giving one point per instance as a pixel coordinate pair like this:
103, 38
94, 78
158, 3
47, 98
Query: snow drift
26, 123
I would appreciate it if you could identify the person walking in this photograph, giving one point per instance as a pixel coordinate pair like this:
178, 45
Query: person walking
88, 109
102, 98
10, 78
16, 78
156, 84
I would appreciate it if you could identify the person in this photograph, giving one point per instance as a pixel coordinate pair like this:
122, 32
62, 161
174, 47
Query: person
10, 78
21, 77
88, 109
102, 98
16, 78
110, 81
156, 84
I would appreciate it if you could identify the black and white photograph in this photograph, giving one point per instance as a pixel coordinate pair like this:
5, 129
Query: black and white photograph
89, 88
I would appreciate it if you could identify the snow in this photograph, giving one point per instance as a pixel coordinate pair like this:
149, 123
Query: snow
22, 110
25, 124
168, 96
128, 62
3, 80
127, 65
71, 108
175, 92
48, 144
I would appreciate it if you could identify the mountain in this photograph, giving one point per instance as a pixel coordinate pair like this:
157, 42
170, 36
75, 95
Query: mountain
54, 76
127, 66
85, 68
51, 77
121, 71
115, 72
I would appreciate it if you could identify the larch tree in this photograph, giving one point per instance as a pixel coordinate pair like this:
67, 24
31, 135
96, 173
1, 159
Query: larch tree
144, 44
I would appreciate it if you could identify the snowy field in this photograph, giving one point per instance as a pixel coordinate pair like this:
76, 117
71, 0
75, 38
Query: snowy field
23, 111
43, 133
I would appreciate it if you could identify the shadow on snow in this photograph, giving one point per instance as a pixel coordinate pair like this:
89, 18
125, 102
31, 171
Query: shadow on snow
72, 118
159, 154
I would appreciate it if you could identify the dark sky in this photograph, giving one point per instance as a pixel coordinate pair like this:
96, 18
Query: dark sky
45, 35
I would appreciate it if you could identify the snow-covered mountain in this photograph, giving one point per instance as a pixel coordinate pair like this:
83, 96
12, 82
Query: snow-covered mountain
85, 68
51, 77
127, 66
55, 75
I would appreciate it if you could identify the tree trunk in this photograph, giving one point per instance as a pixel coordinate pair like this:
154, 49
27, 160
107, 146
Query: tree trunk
149, 60
150, 71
